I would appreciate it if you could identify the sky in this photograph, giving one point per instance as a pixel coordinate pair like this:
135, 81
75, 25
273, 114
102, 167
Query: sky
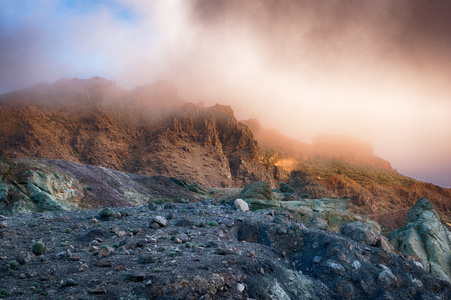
379, 70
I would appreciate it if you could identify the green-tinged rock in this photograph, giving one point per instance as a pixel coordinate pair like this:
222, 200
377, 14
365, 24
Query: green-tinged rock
41, 189
426, 237
197, 188
180, 181
285, 188
3, 190
258, 190
333, 211
256, 204
107, 213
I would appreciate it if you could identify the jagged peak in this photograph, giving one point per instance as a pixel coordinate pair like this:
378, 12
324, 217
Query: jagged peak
225, 109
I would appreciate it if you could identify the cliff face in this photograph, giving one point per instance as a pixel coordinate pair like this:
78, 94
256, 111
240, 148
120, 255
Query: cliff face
149, 131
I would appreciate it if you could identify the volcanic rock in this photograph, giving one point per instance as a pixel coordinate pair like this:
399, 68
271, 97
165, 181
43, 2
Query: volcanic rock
426, 237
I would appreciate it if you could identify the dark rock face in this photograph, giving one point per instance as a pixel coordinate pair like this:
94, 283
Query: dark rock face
427, 238
350, 270
258, 190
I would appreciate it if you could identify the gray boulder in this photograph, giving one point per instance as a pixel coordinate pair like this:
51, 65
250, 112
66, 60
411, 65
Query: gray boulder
365, 234
426, 237
241, 205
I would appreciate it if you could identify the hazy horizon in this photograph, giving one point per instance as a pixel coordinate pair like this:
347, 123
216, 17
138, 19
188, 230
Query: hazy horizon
378, 71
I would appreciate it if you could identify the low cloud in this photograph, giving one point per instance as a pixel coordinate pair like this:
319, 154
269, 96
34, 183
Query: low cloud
376, 70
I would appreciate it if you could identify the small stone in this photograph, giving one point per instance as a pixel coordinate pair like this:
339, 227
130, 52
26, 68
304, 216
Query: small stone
24, 258
131, 245
178, 241
104, 263
121, 233
151, 239
228, 222
154, 225
84, 267
317, 260
137, 231
161, 221
98, 290
67, 283
240, 287
146, 259
182, 237
356, 265
43, 259
61, 255
74, 258
103, 253
94, 221
139, 277
386, 278
2, 225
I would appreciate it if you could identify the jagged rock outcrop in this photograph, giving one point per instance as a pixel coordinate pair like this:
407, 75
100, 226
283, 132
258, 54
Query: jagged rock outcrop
325, 214
426, 237
150, 130
258, 190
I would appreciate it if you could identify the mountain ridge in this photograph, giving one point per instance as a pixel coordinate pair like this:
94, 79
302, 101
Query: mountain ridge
151, 130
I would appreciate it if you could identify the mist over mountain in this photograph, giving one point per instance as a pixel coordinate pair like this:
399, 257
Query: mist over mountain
151, 130
225, 149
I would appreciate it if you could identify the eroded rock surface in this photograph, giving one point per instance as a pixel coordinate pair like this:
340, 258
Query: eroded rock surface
426, 237
32, 185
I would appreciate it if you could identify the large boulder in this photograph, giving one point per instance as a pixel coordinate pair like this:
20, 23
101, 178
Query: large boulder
327, 213
258, 190
426, 237
365, 234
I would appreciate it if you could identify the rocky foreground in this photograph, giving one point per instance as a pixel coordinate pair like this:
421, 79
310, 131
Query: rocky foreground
201, 250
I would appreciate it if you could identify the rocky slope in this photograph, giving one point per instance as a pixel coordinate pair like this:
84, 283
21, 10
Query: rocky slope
341, 166
199, 250
148, 131
151, 131
29, 185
